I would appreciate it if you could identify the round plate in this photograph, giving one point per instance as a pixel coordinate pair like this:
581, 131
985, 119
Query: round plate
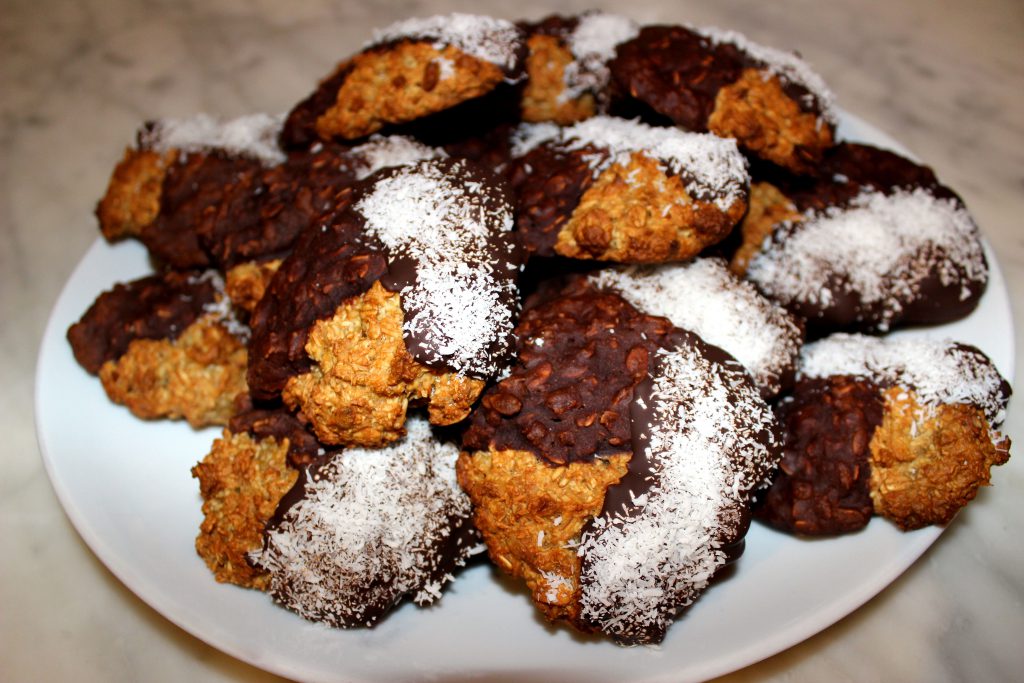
127, 488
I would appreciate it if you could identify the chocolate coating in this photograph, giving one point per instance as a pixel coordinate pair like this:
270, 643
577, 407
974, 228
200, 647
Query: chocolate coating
548, 184
153, 307
822, 484
327, 266
279, 424
568, 399
191, 192
262, 214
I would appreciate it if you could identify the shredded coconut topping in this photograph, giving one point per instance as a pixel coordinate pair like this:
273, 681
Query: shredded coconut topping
706, 450
221, 309
592, 44
712, 167
382, 151
703, 296
486, 38
367, 531
253, 136
449, 224
788, 66
940, 372
881, 247
526, 136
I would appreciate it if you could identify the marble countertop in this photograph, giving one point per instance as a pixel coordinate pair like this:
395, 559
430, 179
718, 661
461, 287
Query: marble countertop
78, 77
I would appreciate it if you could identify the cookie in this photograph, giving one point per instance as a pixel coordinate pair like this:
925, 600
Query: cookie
617, 190
871, 243
901, 428
162, 189
241, 481
364, 529
575, 461
166, 346
408, 295
771, 102
411, 69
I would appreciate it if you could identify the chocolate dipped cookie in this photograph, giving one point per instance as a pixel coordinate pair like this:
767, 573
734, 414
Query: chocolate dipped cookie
406, 295
610, 470
901, 428
616, 190
872, 241
771, 102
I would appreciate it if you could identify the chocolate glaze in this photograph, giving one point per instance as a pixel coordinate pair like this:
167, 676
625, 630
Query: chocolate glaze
847, 170
679, 73
548, 183
153, 307
262, 214
477, 129
191, 191
568, 398
279, 424
822, 484
554, 25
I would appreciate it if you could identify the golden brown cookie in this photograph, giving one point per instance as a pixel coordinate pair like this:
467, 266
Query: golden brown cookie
242, 479
413, 68
579, 461
198, 376
406, 297
769, 101
901, 428
617, 190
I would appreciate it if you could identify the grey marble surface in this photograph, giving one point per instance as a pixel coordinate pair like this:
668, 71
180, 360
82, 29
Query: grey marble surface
76, 78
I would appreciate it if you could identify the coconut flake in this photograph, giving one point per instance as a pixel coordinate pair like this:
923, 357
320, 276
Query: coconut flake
486, 38
938, 371
382, 151
712, 167
703, 296
526, 136
592, 44
367, 530
253, 136
447, 224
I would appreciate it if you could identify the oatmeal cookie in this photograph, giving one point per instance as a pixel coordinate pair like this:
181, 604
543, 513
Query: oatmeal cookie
166, 346
905, 429
616, 190
409, 295
575, 461
871, 242
411, 69
769, 101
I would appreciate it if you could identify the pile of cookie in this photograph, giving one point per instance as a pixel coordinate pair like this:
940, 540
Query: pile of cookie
585, 295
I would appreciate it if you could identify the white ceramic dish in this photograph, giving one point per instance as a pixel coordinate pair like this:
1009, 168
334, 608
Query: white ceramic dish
125, 484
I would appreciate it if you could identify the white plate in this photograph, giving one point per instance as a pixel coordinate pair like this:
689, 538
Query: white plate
126, 486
